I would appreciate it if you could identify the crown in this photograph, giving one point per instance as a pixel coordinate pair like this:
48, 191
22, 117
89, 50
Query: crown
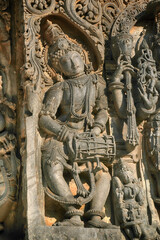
59, 44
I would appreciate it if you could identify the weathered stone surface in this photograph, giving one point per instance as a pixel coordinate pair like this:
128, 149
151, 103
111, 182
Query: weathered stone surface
79, 119
76, 233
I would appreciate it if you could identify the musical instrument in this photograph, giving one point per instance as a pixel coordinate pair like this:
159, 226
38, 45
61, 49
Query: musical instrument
89, 147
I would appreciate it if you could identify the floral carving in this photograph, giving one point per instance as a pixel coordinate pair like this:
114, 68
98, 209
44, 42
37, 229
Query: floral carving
110, 11
129, 17
80, 13
59, 7
40, 6
89, 10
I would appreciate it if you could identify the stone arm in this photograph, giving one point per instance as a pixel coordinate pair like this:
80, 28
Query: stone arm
118, 193
50, 126
101, 106
47, 120
140, 197
119, 100
117, 89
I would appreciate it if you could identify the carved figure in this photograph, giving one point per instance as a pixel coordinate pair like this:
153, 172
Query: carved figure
151, 136
73, 116
76, 150
131, 206
121, 87
135, 98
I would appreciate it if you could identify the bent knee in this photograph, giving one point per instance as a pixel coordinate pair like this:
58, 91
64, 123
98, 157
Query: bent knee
103, 176
54, 168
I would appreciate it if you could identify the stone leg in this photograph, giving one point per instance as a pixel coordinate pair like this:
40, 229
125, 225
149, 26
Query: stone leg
95, 214
58, 185
103, 182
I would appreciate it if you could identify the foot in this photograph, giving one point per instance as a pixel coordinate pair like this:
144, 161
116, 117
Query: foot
100, 224
70, 222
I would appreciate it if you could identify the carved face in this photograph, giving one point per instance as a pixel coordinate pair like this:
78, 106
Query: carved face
125, 175
71, 64
126, 46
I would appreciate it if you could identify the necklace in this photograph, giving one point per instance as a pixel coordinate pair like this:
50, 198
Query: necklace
86, 99
77, 76
79, 81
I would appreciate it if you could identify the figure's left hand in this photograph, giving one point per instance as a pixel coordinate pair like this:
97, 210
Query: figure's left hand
96, 131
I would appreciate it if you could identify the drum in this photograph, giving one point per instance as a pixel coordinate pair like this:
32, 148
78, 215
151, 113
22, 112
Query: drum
89, 147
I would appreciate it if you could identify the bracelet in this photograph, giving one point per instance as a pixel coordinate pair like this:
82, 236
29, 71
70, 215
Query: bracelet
116, 85
96, 124
47, 113
62, 134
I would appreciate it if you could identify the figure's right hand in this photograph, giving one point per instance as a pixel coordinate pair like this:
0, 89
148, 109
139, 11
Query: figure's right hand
69, 143
121, 68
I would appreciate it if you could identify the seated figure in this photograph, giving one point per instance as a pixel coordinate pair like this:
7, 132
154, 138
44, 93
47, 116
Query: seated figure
74, 108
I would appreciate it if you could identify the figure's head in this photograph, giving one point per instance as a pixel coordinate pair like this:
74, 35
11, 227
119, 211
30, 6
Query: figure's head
123, 173
125, 42
71, 64
66, 57
122, 45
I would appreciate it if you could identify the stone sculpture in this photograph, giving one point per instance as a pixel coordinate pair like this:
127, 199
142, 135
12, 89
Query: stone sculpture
125, 107
135, 98
131, 205
79, 108
74, 114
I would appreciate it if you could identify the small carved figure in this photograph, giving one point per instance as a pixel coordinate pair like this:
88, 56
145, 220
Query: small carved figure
131, 206
121, 87
74, 114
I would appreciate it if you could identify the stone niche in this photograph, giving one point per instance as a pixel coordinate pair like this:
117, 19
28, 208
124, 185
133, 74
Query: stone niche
79, 119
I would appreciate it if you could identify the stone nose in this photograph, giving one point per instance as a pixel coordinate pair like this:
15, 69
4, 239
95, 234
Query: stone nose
74, 63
